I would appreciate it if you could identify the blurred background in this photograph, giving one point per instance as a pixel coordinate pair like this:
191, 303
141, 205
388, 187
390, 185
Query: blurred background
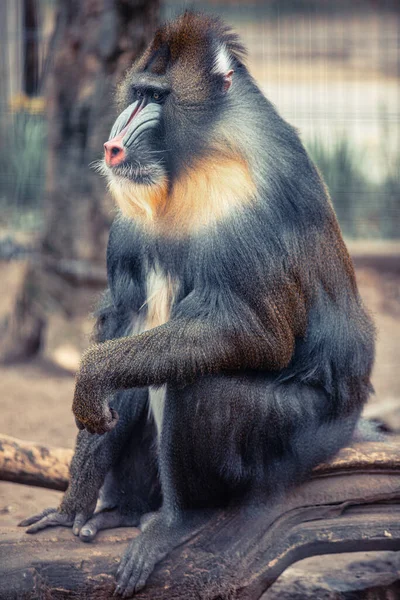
331, 68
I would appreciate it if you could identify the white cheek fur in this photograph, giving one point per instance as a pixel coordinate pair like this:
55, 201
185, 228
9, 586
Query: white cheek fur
222, 62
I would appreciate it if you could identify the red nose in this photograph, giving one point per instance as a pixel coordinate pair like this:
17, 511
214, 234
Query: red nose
114, 152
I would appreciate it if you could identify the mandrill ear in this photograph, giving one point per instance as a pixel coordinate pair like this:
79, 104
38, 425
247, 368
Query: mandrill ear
223, 66
227, 80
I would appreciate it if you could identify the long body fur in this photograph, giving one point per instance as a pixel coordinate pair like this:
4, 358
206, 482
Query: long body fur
232, 309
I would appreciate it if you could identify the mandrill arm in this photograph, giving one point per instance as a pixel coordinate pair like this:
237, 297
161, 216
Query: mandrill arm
178, 352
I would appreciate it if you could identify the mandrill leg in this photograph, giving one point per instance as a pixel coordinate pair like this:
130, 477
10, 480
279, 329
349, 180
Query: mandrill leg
210, 457
160, 535
107, 519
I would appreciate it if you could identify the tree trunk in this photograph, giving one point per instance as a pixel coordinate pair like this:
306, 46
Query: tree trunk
95, 42
31, 48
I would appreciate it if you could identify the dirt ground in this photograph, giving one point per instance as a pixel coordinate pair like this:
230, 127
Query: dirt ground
36, 397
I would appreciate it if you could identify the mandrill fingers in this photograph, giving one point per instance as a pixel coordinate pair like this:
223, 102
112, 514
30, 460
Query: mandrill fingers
158, 538
50, 517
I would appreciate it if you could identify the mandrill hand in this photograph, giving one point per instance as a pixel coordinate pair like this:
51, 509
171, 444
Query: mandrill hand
90, 404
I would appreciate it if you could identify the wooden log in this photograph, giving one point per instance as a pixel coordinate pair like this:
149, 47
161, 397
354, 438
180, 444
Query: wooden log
43, 466
34, 464
352, 505
31, 463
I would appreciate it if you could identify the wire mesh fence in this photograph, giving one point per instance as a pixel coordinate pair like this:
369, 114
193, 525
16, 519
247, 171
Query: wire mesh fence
332, 69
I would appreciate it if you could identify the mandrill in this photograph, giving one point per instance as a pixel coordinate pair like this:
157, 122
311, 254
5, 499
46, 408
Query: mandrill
233, 353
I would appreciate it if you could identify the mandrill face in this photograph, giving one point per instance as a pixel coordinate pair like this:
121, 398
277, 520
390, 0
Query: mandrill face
168, 161
137, 138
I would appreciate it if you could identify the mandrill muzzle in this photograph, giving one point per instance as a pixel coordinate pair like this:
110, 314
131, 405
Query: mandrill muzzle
129, 130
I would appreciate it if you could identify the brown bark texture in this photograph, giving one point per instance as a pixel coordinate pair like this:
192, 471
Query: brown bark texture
95, 41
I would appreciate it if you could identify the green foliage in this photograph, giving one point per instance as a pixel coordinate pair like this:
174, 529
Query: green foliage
365, 208
22, 169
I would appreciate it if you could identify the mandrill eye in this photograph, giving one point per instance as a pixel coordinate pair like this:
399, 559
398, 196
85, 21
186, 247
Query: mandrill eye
157, 97
139, 94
